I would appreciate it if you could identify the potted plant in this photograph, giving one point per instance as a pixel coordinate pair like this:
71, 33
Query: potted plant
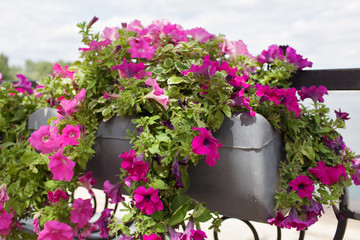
175, 93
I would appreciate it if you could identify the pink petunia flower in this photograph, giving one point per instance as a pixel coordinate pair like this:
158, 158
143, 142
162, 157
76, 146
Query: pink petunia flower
111, 33
113, 192
45, 139
189, 234
239, 99
313, 92
148, 201
36, 225
1, 76
82, 212
303, 186
157, 93
54, 230
207, 69
134, 165
74, 105
129, 70
328, 175
235, 48
152, 236
200, 34
206, 144
23, 84
63, 72
289, 99
5, 221
96, 46
61, 167
56, 196
87, 181
141, 48
69, 136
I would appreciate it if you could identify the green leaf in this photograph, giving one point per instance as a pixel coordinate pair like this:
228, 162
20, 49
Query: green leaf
178, 201
179, 214
161, 228
159, 184
309, 152
325, 130
227, 110
168, 63
127, 217
31, 157
175, 80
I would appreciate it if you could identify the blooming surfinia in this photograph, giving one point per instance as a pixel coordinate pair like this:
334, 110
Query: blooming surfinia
87, 181
70, 135
206, 144
54, 230
152, 236
328, 175
63, 72
235, 48
200, 34
113, 192
45, 139
296, 59
157, 93
239, 99
189, 234
55, 197
141, 48
104, 221
5, 221
23, 84
74, 105
355, 177
61, 167
336, 145
207, 69
82, 212
129, 70
303, 186
110, 33
4, 197
95, 45
342, 116
313, 92
147, 200
134, 165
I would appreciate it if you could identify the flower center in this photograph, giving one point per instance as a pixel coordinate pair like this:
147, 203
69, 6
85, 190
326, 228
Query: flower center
45, 138
206, 142
301, 186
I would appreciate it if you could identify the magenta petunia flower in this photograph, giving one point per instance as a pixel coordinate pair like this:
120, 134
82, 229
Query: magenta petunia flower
313, 92
23, 84
189, 234
277, 220
293, 221
153, 83
303, 186
206, 144
239, 99
141, 48
54, 230
45, 139
1, 76
87, 181
328, 175
36, 225
268, 94
61, 167
4, 197
342, 116
70, 135
113, 192
95, 45
152, 236
273, 52
207, 69
129, 70
200, 34
197, 234
297, 59
135, 166
56, 196
74, 105
82, 212
103, 222
148, 201
5, 221
355, 177
63, 72
288, 99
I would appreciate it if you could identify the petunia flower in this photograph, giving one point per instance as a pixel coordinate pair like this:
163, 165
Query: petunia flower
129, 70
152, 236
288, 99
147, 200
239, 99
103, 222
54, 230
273, 52
157, 93
74, 105
124, 237
82, 212
176, 171
206, 144
56, 196
1, 76
5, 221
189, 234
303, 186
141, 48
135, 167
342, 116
297, 59
61, 167
70, 135
113, 192
207, 69
87, 181
293, 221
111, 33
313, 92
45, 139
62, 72
200, 34
277, 220
96, 46
266, 93
336, 145
235, 48
328, 175
23, 84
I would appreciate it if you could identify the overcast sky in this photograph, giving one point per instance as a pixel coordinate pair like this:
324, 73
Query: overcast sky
326, 32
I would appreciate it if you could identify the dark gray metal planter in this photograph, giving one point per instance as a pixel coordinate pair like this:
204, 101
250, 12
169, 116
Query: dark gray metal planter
243, 182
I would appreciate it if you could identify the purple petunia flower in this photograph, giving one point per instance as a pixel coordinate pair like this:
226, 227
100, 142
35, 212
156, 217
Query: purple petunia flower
313, 92
104, 221
113, 192
129, 70
303, 186
207, 69
23, 84
342, 116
